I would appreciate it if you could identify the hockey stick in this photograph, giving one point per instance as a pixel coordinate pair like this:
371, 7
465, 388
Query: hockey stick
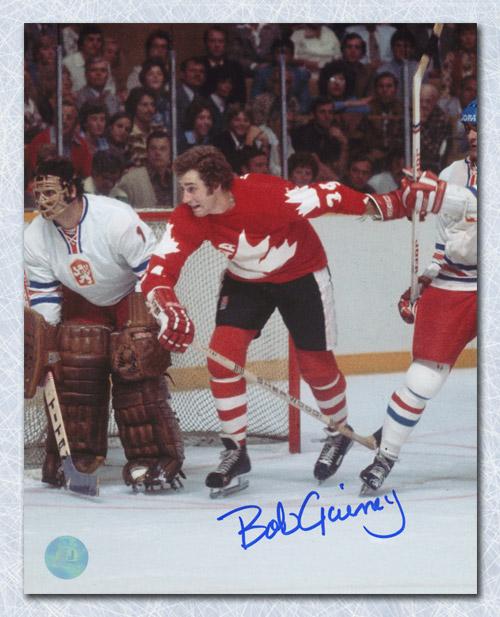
416, 158
369, 441
76, 481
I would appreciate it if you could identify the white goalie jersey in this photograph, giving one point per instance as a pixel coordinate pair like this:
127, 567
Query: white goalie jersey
101, 259
454, 263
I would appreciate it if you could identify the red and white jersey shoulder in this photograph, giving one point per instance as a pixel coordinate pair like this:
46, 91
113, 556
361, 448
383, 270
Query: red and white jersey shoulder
101, 259
455, 258
265, 236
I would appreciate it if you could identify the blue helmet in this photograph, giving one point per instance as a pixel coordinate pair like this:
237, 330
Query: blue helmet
469, 114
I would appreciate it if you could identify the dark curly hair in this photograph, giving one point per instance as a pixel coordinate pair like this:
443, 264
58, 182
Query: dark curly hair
63, 169
209, 162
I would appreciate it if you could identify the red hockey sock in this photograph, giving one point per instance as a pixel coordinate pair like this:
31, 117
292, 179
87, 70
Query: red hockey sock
229, 389
320, 371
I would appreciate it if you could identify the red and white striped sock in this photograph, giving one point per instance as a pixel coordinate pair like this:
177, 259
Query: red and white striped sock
231, 403
320, 371
229, 389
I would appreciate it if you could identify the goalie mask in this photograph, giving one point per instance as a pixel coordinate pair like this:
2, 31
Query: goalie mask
52, 195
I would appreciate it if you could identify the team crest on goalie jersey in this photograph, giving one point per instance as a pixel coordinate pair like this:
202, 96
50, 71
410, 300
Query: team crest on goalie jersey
82, 273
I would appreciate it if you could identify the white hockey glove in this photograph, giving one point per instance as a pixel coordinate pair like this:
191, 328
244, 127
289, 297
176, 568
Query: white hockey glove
176, 328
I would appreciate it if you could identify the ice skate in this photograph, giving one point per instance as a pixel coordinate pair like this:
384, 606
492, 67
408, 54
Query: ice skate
333, 452
226, 479
375, 474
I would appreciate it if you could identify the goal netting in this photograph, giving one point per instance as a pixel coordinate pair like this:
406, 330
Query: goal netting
191, 398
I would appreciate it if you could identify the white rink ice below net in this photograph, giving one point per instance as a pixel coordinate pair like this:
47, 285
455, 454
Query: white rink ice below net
172, 543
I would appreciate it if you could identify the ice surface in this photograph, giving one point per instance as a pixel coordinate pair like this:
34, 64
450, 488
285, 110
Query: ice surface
173, 543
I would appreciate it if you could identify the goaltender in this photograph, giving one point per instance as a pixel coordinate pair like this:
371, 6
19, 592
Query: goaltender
83, 258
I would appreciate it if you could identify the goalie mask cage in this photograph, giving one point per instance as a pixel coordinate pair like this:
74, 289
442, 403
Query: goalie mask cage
270, 356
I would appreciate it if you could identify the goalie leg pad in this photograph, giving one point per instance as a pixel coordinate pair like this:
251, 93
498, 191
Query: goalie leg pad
148, 428
39, 341
82, 381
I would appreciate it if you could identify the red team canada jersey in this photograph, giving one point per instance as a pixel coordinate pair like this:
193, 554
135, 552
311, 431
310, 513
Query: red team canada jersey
265, 235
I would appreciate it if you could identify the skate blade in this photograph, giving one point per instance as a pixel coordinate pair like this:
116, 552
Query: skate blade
367, 490
235, 486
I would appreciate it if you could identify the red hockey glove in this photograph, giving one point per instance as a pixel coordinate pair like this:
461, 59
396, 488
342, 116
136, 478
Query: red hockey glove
176, 328
389, 205
424, 195
407, 309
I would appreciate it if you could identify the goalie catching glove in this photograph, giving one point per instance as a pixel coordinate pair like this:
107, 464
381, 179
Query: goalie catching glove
407, 308
176, 328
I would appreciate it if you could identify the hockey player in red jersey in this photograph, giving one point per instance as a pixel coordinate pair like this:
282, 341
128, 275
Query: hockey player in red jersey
275, 260
446, 319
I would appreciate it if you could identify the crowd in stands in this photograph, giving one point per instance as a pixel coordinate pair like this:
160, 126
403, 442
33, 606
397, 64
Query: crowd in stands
344, 91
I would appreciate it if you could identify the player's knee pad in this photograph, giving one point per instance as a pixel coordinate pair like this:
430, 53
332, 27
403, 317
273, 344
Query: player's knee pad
424, 378
231, 343
148, 428
83, 389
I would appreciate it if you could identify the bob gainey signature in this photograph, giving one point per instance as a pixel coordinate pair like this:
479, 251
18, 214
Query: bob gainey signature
288, 523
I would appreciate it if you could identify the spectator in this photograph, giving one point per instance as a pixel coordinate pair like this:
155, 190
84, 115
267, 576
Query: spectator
97, 75
156, 48
358, 173
403, 49
461, 62
192, 78
315, 45
93, 117
254, 161
377, 38
321, 138
141, 106
389, 180
219, 99
360, 75
215, 40
117, 135
436, 130
197, 125
43, 67
74, 145
113, 55
33, 121
262, 81
266, 107
302, 168
453, 107
240, 133
251, 44
385, 130
107, 169
89, 46
154, 77
150, 186
336, 83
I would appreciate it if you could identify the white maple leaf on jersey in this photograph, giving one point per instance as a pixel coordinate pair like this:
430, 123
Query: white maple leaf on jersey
254, 262
308, 199
168, 244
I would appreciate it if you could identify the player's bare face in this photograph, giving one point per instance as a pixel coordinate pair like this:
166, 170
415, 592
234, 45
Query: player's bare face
198, 196
471, 131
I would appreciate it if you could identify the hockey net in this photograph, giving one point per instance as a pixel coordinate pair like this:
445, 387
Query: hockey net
269, 418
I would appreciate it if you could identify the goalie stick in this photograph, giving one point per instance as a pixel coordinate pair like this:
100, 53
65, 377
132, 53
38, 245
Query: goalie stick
369, 442
416, 158
76, 481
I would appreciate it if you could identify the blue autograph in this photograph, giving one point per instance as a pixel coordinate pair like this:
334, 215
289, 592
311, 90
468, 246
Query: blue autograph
289, 523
